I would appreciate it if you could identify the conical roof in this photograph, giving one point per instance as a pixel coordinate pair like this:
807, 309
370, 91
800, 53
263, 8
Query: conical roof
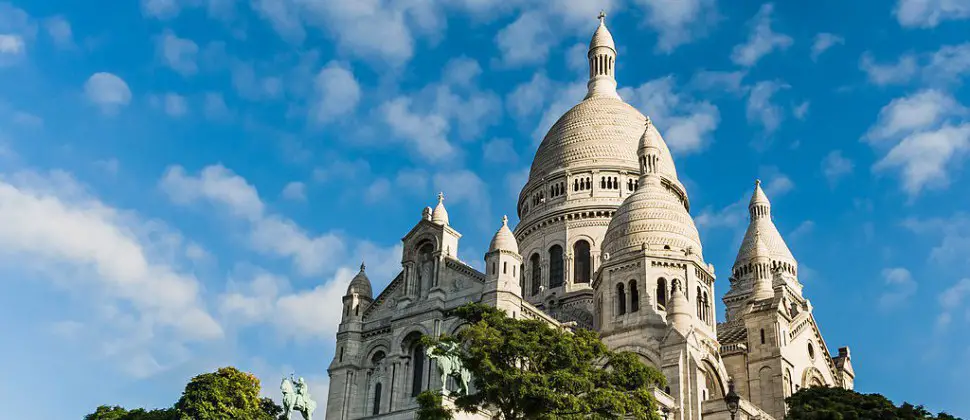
440, 215
504, 240
602, 37
360, 285
762, 227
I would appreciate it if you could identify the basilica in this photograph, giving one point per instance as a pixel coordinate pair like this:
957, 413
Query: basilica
605, 242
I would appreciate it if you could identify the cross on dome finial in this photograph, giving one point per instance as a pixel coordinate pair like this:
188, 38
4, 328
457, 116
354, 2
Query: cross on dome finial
757, 182
505, 220
602, 17
362, 265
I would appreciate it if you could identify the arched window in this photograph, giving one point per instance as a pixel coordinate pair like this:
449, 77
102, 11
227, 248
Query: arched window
581, 262
522, 278
698, 303
575, 185
620, 299
762, 336
505, 267
417, 369
602, 183
589, 183
707, 309
662, 293
634, 296
377, 399
556, 275
536, 273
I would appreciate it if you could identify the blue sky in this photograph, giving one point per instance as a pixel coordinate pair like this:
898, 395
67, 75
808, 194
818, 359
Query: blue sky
186, 184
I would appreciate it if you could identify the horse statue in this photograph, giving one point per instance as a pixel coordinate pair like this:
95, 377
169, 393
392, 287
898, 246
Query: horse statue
449, 363
298, 399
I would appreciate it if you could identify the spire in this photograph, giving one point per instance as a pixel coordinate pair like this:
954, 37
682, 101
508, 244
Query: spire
759, 206
649, 152
362, 266
602, 61
440, 215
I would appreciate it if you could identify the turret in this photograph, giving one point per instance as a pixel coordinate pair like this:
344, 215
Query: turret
679, 314
359, 295
602, 61
502, 264
759, 206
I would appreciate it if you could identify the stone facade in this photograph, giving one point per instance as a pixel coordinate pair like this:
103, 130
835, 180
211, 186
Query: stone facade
605, 241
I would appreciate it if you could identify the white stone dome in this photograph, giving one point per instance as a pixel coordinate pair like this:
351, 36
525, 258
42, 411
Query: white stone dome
360, 285
653, 216
598, 132
504, 240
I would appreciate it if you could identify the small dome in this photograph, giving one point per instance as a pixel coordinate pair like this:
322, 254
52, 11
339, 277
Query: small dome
758, 197
440, 215
652, 215
360, 285
602, 37
503, 239
679, 310
764, 228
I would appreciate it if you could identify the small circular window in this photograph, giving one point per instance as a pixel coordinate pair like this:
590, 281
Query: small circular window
811, 351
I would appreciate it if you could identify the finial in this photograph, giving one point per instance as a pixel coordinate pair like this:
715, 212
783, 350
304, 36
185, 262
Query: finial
648, 122
602, 17
505, 220
757, 182
362, 266
441, 197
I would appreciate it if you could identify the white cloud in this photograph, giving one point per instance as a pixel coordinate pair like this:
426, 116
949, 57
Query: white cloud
930, 13
760, 109
295, 191
679, 22
27, 119
251, 86
179, 54
461, 71
59, 29
824, 41
161, 9
309, 313
217, 184
337, 92
925, 134
922, 158
951, 300
268, 234
175, 105
378, 191
941, 68
801, 110
718, 81
426, 134
954, 237
113, 257
527, 40
918, 111
686, 123
109, 92
529, 97
836, 166
11, 44
214, 106
900, 286
883, 74
762, 40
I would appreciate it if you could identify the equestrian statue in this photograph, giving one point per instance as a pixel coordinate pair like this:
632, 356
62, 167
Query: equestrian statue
298, 400
449, 363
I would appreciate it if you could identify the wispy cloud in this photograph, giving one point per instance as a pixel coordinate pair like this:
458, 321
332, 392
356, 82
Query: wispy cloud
762, 40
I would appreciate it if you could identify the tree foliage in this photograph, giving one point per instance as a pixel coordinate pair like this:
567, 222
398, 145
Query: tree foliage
221, 395
118, 413
527, 369
823, 403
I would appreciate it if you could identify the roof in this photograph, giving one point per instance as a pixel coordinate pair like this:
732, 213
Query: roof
504, 240
731, 332
360, 284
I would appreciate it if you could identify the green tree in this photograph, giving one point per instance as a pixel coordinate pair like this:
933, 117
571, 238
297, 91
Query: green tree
118, 413
824, 403
221, 395
527, 369
225, 394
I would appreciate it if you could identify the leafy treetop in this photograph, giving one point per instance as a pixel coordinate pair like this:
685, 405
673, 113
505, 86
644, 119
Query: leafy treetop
527, 369
824, 403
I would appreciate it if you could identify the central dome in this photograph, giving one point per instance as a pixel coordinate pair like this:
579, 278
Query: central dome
601, 131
